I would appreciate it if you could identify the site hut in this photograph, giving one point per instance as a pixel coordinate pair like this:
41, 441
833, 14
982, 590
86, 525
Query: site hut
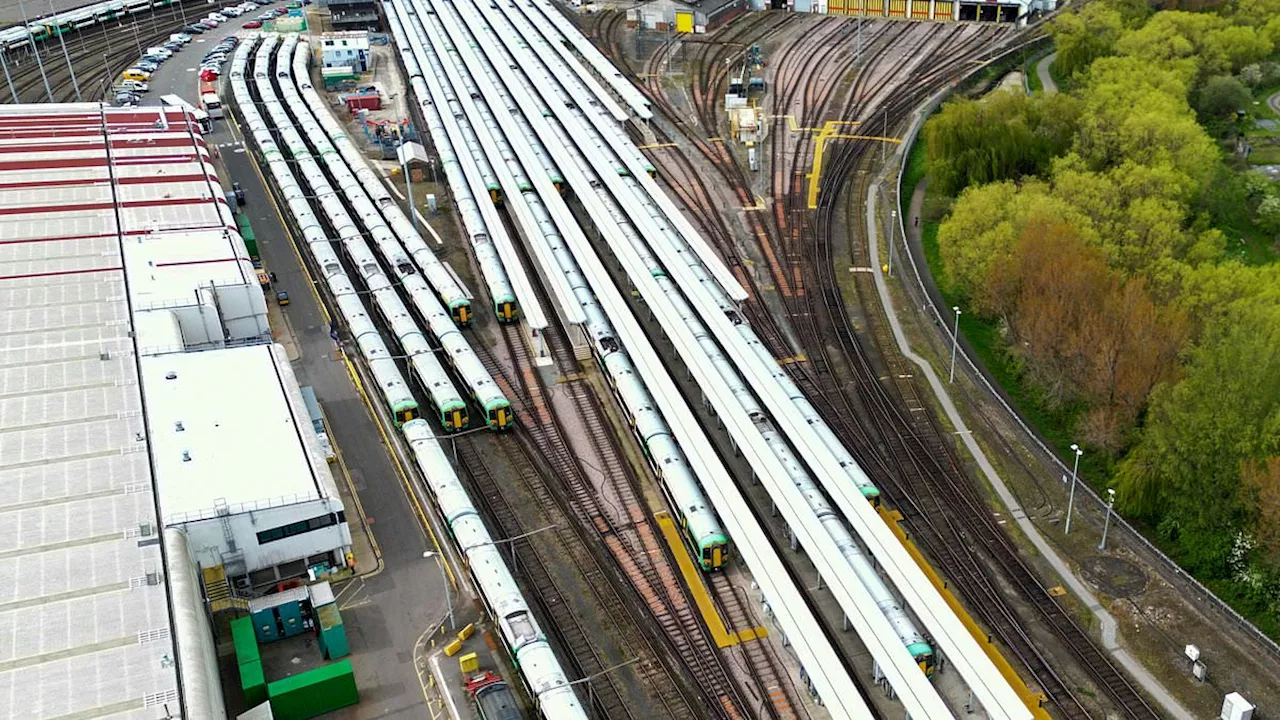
353, 14
345, 49
91, 193
240, 469
682, 16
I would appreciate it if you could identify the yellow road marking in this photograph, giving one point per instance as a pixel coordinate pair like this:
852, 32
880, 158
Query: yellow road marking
1033, 700
693, 578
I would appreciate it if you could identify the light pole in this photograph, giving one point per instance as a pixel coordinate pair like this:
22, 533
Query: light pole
1071, 496
448, 595
893, 223
1111, 501
955, 342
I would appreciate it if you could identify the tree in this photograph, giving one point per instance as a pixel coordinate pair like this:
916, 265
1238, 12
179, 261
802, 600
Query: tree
1004, 136
1221, 97
1185, 472
1082, 37
984, 227
1262, 488
1269, 214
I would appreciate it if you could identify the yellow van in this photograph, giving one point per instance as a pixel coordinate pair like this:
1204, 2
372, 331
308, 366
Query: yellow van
136, 74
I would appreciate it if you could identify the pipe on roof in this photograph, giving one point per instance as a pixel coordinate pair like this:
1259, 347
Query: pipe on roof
193, 635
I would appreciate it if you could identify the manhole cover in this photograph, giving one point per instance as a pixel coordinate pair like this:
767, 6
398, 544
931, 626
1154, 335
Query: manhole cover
1114, 576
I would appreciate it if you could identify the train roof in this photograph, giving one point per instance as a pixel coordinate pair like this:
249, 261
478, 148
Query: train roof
75, 483
231, 426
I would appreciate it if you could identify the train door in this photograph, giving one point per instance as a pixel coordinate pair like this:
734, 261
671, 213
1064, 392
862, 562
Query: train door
455, 420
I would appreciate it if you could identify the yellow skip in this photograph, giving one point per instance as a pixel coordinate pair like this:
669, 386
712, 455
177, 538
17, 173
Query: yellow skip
693, 578
1033, 700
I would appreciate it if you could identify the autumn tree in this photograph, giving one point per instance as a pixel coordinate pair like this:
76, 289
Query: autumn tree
1262, 493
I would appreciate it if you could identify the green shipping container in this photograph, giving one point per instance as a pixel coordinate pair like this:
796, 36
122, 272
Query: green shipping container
333, 633
254, 683
246, 232
314, 692
245, 641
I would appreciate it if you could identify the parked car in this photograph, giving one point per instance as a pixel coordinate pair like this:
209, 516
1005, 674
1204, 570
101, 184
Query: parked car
282, 297
193, 29
147, 65
180, 38
208, 75
239, 192
281, 11
135, 86
252, 25
127, 98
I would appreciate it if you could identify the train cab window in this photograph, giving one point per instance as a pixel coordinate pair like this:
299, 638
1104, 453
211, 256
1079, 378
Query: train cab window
523, 629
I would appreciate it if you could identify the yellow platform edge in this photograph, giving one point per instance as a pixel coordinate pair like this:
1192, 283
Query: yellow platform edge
698, 588
1033, 700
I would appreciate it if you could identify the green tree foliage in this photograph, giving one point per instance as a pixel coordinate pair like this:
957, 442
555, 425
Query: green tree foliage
1220, 98
1269, 214
1186, 473
1002, 137
1082, 37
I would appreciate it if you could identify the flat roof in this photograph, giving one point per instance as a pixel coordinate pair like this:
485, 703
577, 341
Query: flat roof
228, 429
84, 614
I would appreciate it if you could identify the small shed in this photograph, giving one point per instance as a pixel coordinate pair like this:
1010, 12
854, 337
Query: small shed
414, 157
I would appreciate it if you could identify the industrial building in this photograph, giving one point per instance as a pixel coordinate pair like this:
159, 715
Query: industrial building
239, 466
345, 49
136, 376
685, 16
354, 14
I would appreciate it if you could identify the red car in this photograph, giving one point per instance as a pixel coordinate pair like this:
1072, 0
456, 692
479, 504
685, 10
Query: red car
208, 75
252, 25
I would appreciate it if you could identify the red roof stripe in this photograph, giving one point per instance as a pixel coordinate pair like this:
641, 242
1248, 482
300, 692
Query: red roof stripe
56, 273
204, 262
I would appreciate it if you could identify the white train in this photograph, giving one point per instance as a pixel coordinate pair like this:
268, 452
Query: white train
395, 392
450, 408
376, 199
525, 641
447, 403
505, 306
41, 29
519, 629
888, 603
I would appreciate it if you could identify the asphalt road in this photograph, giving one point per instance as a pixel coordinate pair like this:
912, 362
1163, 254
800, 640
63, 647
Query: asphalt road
387, 612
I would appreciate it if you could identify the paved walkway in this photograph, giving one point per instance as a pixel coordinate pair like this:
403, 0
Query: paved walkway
1274, 102
1108, 623
1042, 71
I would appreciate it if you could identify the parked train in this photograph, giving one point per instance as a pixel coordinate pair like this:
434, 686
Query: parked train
291, 61
902, 624
540, 669
19, 36
505, 306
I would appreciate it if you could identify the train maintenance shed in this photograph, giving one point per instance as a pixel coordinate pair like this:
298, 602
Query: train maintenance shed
120, 265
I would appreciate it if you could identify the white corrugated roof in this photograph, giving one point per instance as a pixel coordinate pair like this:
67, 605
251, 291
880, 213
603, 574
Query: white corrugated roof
84, 617
242, 437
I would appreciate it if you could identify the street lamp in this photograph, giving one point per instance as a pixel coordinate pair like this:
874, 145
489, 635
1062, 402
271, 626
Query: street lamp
1111, 501
893, 223
1071, 497
955, 342
448, 595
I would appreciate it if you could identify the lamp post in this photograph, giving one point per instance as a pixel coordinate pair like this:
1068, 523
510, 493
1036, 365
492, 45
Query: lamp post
955, 342
1071, 496
1111, 501
448, 594
893, 224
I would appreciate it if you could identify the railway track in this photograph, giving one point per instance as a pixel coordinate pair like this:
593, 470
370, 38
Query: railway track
601, 496
889, 430
930, 487
97, 55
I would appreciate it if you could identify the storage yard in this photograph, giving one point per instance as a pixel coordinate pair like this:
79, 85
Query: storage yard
503, 360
